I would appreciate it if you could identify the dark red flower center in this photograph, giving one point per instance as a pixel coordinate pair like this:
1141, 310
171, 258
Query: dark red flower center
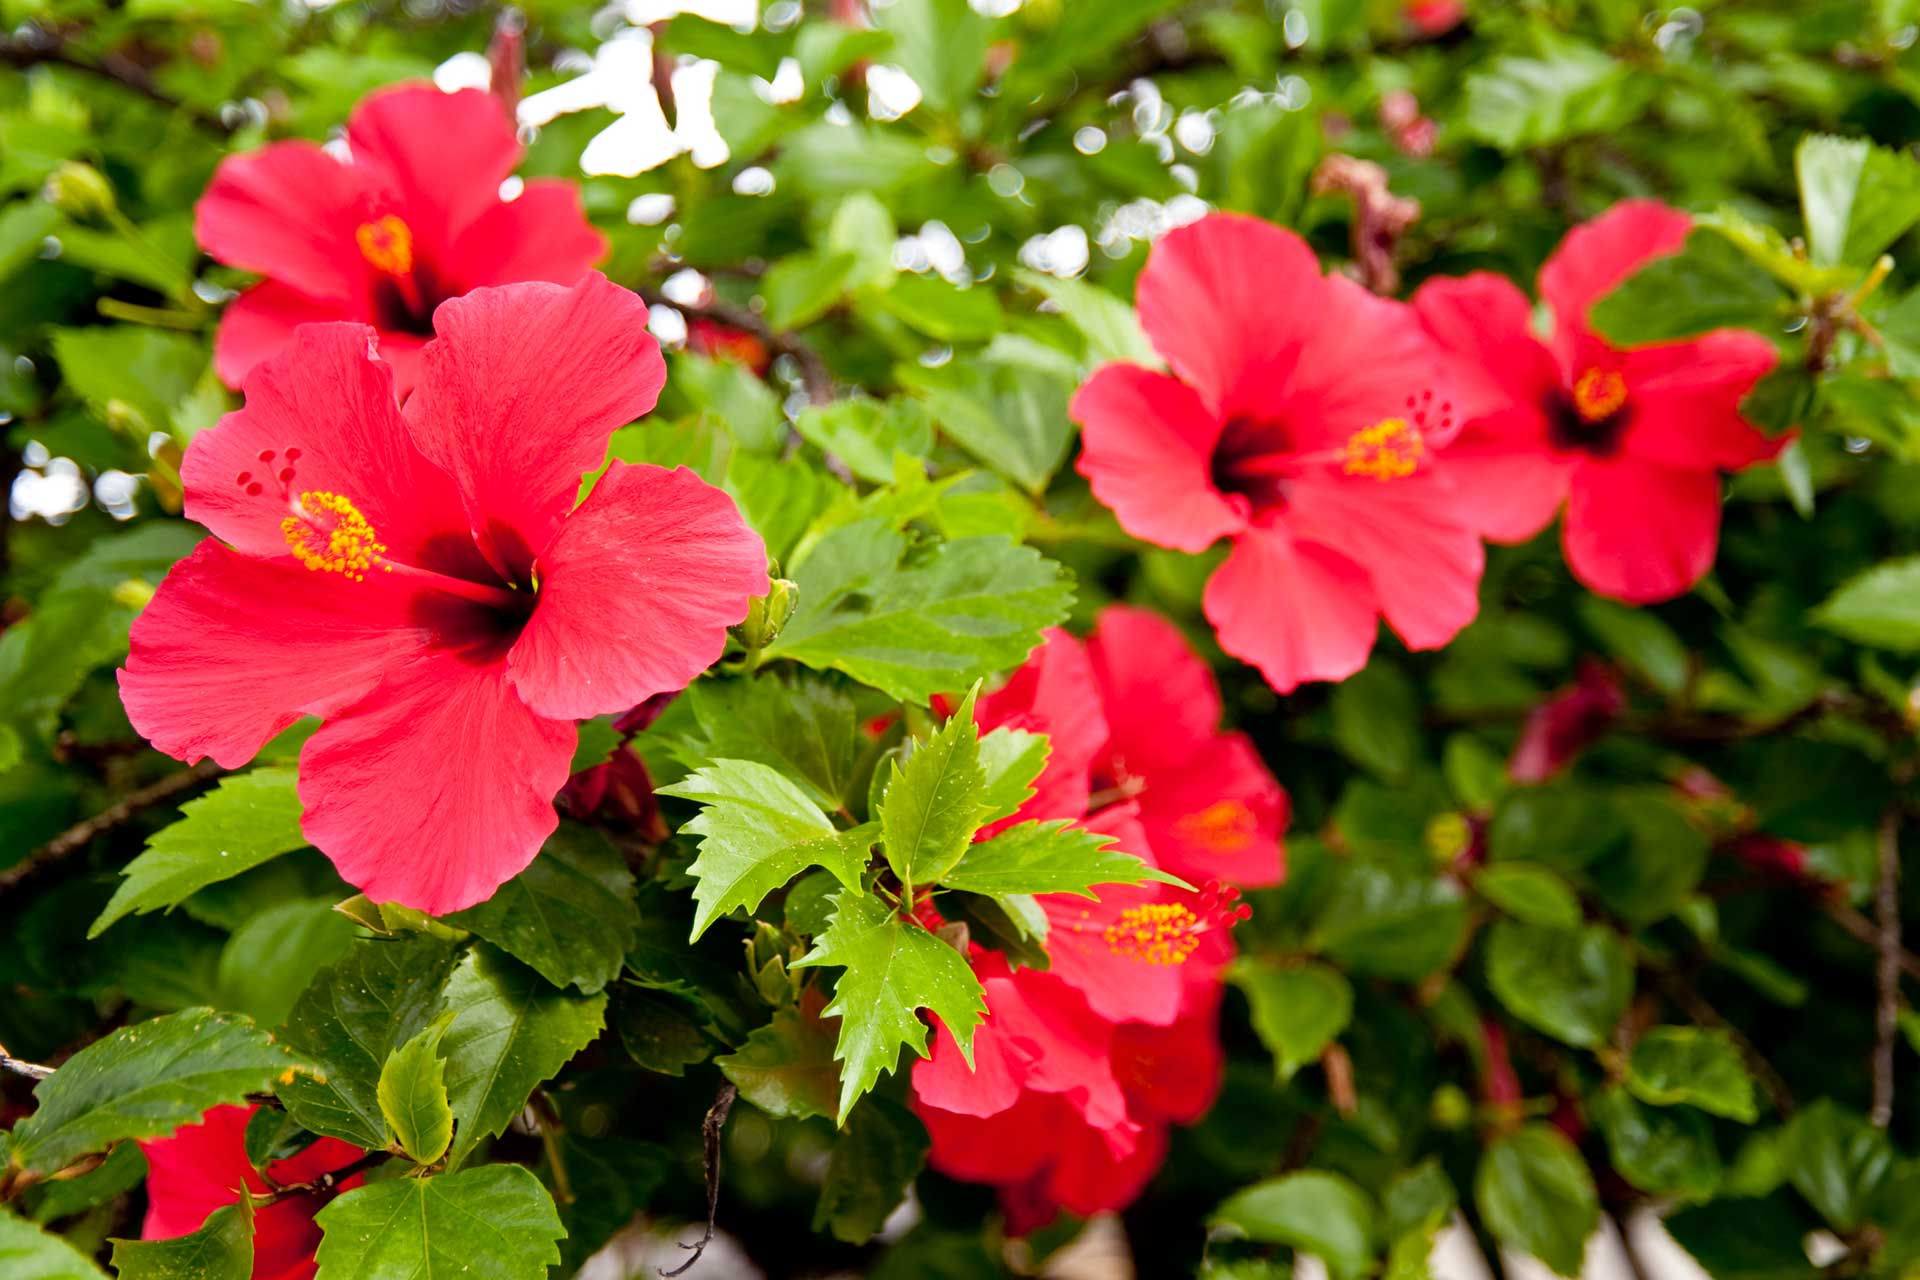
1592, 417
406, 288
1255, 460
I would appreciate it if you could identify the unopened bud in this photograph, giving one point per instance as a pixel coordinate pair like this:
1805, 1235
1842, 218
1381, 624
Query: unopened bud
133, 593
79, 190
1451, 1108
767, 615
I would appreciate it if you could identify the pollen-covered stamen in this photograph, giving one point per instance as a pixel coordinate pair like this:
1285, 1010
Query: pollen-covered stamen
387, 245
1598, 394
327, 533
1388, 450
1225, 826
1167, 933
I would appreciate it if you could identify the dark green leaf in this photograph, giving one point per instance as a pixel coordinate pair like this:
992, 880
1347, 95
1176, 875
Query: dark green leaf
786, 1068
1536, 1195
1315, 1212
1297, 1012
1530, 894
1699, 1067
1661, 1151
1880, 607
1709, 284
1573, 984
932, 805
222, 1249
1837, 1161
875, 1159
570, 915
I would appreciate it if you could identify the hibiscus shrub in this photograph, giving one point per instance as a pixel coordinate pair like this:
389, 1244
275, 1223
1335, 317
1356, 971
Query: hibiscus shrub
917, 638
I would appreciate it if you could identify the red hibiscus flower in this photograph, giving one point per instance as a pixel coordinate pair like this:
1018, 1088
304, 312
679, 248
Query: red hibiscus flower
1303, 421
1632, 441
204, 1166
422, 581
1431, 18
719, 341
1559, 729
412, 217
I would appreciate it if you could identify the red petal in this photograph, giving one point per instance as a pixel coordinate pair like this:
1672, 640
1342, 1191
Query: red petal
1147, 451
327, 397
437, 788
1216, 815
1296, 610
1505, 476
1640, 532
232, 650
542, 234
520, 390
287, 211
260, 322
1485, 319
1686, 401
636, 593
1226, 294
1053, 693
1597, 255
1159, 697
1173, 1073
441, 156
1117, 984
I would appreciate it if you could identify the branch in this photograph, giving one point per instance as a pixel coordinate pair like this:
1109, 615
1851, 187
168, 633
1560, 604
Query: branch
30, 1070
78, 837
327, 1184
815, 377
34, 45
1886, 909
710, 1140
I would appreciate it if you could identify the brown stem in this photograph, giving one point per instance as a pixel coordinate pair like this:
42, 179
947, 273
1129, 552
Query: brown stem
815, 377
1866, 931
79, 836
710, 1142
1886, 906
327, 1184
15, 1066
35, 45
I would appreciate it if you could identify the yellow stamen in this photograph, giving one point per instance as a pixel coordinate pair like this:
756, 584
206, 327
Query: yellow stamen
1598, 394
331, 536
1225, 826
387, 245
1387, 450
1158, 933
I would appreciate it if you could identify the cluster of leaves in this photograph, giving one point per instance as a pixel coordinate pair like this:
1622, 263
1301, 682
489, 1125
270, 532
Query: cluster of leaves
1528, 1005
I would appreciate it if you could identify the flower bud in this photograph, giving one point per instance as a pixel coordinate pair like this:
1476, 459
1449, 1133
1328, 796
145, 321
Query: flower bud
79, 190
767, 615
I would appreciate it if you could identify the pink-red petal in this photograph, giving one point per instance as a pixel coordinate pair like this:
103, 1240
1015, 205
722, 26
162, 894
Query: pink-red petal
1053, 693
439, 157
1505, 476
436, 788
1147, 448
1596, 256
287, 211
260, 322
1216, 815
1487, 321
636, 593
541, 234
1641, 532
1296, 610
1159, 697
1686, 401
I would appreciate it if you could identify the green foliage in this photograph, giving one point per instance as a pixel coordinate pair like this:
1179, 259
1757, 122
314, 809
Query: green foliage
493, 1221
569, 916
222, 1249
931, 807
1319, 1213
1536, 1195
413, 1095
28, 1253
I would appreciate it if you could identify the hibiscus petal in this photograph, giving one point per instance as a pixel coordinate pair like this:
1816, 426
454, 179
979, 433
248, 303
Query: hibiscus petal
260, 322
1506, 478
1159, 697
1686, 401
1597, 255
1641, 532
1052, 693
636, 593
287, 211
1147, 449
1227, 293
327, 398
1095, 1171
443, 156
232, 649
1485, 319
1088, 941
1412, 537
1173, 1073
541, 234
436, 788
1296, 610
518, 393
1217, 814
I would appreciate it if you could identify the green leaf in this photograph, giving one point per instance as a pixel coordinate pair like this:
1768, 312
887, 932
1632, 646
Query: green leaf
570, 915
28, 1253
1745, 1239
875, 1159
866, 434
1880, 607
1109, 325
1528, 893
1661, 1151
1006, 406
24, 226
1314, 1211
1573, 984
1011, 760
495, 1221
1837, 1161
802, 288
942, 44
1857, 198
729, 392
596, 744
1561, 826
863, 227
1640, 641
145, 1081
1709, 284
510, 1032
806, 727
913, 624
1297, 1012
1048, 857
128, 368
661, 1032
1536, 1195
248, 819
1701, 1068
931, 806
381, 994
786, 1068
222, 1249
1387, 924
757, 831
413, 1095
1570, 90
275, 954
944, 311
893, 967
1376, 720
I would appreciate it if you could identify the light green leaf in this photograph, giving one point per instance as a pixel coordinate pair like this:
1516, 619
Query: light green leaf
1535, 1193
1880, 607
28, 1253
893, 967
1857, 198
1570, 90
866, 434
787, 1067
1108, 324
1296, 1011
863, 228
1709, 284
24, 227
145, 1081
250, 818
274, 954
495, 1221
802, 288
942, 44
1011, 760
916, 624
142, 370
1315, 1212
944, 311
1573, 984
757, 831
222, 1249
1529, 893
510, 1032
931, 806
1048, 857
570, 915
1006, 406
1695, 1066
413, 1095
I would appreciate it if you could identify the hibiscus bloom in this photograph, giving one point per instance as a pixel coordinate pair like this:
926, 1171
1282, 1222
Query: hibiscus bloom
1632, 441
204, 1167
422, 580
1557, 731
1303, 421
411, 217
